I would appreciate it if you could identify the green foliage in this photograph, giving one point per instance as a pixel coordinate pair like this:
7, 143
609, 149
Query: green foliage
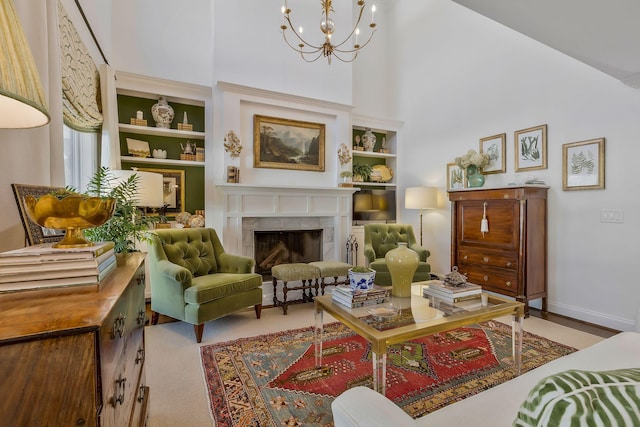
363, 170
128, 224
360, 269
529, 148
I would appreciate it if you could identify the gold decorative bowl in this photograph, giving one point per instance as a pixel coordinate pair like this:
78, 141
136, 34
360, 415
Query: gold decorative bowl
72, 213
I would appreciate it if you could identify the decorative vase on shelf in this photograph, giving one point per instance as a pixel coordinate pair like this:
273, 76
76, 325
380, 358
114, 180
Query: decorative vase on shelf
368, 140
402, 263
162, 113
475, 178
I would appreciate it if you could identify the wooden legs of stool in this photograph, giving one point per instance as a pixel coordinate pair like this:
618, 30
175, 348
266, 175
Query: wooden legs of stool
307, 288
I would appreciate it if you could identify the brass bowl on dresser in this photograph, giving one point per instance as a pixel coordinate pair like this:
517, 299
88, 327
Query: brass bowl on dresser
72, 213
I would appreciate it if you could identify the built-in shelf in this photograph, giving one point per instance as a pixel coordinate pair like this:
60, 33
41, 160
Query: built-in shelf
174, 162
149, 130
374, 154
374, 184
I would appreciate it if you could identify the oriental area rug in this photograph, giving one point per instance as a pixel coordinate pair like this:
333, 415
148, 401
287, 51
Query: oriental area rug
271, 380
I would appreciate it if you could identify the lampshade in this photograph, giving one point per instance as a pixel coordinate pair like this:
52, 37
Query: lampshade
149, 187
421, 198
22, 103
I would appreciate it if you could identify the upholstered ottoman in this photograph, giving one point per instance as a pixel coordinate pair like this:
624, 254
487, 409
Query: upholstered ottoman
332, 269
305, 273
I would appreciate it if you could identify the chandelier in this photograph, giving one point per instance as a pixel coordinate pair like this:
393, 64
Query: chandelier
311, 52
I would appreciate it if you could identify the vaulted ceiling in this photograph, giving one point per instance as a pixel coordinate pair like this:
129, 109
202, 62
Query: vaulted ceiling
604, 34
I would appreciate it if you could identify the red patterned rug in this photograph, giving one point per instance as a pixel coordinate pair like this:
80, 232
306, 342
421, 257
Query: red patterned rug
271, 380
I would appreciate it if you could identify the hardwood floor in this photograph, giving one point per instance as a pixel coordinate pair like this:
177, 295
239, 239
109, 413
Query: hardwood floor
579, 325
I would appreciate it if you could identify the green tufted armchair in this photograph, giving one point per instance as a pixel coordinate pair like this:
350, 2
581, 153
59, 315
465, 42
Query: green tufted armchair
193, 279
380, 239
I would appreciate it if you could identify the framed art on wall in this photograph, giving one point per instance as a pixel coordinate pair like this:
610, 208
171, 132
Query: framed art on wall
583, 165
288, 144
456, 178
494, 146
531, 148
172, 188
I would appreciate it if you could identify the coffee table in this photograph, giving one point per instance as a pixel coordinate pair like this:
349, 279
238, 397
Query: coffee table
416, 319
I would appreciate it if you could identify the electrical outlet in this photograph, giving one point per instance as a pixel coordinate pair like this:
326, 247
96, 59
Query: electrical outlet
612, 216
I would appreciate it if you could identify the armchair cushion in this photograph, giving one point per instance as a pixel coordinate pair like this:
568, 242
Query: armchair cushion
192, 251
214, 286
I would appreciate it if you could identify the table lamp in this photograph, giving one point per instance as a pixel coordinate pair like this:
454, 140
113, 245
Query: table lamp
150, 194
421, 198
22, 103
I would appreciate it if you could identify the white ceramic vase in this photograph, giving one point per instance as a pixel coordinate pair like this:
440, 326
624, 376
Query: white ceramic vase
162, 113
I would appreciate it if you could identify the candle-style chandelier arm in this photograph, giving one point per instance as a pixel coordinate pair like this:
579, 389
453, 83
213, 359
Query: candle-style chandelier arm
308, 50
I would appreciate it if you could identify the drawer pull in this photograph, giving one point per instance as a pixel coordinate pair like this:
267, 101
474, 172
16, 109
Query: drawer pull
486, 278
141, 393
121, 387
141, 317
485, 259
466, 257
508, 283
141, 279
508, 263
140, 355
119, 326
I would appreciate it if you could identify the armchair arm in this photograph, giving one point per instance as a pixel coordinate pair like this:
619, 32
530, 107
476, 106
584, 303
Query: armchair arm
369, 253
175, 273
423, 253
229, 263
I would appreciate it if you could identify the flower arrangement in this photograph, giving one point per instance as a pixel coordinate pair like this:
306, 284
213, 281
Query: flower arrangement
196, 221
472, 158
344, 154
232, 144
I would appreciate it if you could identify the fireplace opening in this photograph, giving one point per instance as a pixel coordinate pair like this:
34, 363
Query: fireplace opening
285, 247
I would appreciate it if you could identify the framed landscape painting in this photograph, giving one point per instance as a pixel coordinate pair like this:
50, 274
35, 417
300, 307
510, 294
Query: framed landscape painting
583, 165
531, 148
288, 144
456, 178
494, 146
172, 188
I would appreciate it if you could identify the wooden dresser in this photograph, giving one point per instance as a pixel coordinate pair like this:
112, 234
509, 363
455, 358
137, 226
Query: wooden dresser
511, 258
75, 358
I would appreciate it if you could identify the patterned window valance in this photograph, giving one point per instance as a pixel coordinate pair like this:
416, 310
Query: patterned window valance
80, 80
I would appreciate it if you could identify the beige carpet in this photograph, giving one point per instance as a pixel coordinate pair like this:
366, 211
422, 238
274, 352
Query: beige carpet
174, 370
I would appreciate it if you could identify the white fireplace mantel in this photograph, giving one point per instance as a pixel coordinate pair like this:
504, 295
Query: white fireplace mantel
240, 201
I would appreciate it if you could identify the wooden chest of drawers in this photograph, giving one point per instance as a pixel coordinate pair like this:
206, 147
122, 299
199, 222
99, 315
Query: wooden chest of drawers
70, 357
511, 258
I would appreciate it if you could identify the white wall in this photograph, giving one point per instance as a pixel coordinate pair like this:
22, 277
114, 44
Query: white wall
464, 77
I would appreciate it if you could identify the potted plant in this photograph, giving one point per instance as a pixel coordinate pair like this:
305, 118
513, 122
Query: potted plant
362, 172
346, 178
128, 224
361, 278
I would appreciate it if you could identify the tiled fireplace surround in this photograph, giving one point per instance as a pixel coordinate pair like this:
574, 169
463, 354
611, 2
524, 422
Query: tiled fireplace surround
247, 208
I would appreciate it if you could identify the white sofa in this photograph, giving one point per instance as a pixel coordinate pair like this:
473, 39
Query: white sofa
495, 407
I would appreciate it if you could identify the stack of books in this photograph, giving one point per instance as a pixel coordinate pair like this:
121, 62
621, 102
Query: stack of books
42, 266
359, 298
441, 290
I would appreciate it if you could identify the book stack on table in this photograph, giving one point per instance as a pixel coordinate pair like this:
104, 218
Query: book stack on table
359, 298
453, 294
43, 266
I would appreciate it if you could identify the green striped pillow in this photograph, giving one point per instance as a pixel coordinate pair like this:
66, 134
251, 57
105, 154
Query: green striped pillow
584, 398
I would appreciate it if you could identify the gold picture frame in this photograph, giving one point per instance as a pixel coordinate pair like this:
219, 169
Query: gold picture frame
495, 147
173, 187
583, 165
288, 144
530, 146
456, 177
34, 233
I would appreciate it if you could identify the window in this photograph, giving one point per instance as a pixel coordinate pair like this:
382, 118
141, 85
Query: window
80, 158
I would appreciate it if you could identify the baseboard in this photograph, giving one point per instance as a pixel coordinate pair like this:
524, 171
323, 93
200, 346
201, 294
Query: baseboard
579, 313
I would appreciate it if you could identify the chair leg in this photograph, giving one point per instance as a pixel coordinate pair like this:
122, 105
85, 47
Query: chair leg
198, 329
154, 317
258, 308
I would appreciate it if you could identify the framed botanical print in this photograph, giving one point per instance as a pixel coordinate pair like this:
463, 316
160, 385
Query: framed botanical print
288, 144
531, 148
456, 178
494, 146
583, 165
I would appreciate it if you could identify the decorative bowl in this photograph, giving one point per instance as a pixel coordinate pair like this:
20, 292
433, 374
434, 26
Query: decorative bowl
72, 213
383, 311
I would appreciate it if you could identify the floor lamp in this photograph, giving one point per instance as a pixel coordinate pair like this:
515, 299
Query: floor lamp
421, 198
